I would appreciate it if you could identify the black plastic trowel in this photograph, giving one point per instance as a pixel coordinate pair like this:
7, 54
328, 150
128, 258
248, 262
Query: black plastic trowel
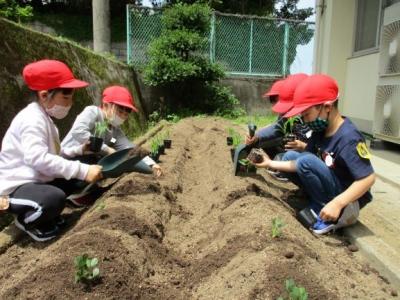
242, 151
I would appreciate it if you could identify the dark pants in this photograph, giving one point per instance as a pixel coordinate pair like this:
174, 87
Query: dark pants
38, 204
313, 175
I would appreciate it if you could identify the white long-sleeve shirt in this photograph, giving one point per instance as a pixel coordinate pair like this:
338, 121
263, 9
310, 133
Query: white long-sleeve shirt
83, 128
30, 152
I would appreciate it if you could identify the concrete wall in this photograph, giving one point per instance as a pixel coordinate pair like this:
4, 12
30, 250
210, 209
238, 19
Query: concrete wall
249, 91
118, 49
361, 82
335, 41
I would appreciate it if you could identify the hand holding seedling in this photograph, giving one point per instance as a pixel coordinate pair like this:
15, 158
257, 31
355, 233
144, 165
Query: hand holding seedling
156, 170
94, 174
265, 162
296, 145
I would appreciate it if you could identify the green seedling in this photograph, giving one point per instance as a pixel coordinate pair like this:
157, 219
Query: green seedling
294, 292
86, 268
100, 128
154, 145
101, 205
288, 126
244, 161
277, 225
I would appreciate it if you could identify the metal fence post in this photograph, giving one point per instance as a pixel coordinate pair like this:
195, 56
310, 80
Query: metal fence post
212, 38
285, 49
251, 45
128, 35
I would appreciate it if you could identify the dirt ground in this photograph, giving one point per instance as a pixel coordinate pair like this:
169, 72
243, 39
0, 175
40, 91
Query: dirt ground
196, 233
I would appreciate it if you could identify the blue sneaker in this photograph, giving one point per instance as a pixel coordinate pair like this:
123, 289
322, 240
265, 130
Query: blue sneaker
322, 227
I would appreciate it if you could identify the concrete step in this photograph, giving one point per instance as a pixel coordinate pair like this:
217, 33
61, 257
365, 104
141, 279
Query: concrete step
377, 232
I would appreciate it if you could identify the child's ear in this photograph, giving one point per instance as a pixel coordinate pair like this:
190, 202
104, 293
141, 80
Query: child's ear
42, 95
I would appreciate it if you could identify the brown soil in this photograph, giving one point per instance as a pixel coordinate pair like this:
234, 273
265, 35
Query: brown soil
196, 233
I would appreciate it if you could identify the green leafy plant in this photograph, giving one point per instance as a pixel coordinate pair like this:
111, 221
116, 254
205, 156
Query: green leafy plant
155, 144
10, 9
288, 126
101, 205
177, 63
277, 225
294, 292
100, 128
86, 268
236, 137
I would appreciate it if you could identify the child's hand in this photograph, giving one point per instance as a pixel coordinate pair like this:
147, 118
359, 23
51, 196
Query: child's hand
265, 162
251, 140
296, 145
156, 170
86, 148
331, 211
4, 203
94, 174
110, 150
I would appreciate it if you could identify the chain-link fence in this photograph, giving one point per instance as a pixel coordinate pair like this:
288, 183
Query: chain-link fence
244, 45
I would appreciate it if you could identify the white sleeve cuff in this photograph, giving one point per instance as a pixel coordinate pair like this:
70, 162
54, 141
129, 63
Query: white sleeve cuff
148, 161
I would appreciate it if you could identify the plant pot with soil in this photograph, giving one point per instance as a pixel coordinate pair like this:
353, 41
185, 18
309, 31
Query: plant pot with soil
229, 140
245, 167
167, 143
161, 149
96, 140
256, 155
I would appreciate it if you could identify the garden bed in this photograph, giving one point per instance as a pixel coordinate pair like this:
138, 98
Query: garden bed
196, 233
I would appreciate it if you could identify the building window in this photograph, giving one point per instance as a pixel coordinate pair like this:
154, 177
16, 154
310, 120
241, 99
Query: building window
368, 24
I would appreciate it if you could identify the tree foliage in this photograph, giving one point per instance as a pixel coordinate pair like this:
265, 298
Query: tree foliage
15, 11
178, 65
286, 9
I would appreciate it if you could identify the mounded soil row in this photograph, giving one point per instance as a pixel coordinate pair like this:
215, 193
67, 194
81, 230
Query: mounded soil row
198, 232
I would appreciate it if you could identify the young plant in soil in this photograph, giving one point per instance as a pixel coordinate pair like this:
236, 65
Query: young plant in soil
96, 140
245, 166
294, 292
256, 155
86, 269
166, 140
277, 225
154, 149
101, 205
288, 129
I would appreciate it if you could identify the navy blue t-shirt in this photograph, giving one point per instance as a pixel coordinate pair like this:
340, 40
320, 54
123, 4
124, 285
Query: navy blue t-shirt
340, 153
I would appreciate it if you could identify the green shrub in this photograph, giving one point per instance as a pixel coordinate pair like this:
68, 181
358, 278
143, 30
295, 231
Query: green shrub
10, 9
178, 65
195, 17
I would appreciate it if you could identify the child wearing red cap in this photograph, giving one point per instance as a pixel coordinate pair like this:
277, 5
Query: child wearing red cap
281, 96
33, 177
335, 171
117, 103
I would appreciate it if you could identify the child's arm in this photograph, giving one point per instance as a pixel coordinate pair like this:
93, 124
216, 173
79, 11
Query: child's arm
331, 211
284, 166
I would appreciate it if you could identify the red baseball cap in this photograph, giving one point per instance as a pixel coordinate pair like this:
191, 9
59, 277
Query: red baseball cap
50, 74
316, 89
274, 90
285, 102
120, 96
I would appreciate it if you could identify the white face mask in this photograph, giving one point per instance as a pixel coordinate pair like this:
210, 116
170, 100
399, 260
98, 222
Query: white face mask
58, 111
116, 121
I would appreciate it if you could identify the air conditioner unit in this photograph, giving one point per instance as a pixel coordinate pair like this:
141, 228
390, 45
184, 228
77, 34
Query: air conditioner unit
387, 101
